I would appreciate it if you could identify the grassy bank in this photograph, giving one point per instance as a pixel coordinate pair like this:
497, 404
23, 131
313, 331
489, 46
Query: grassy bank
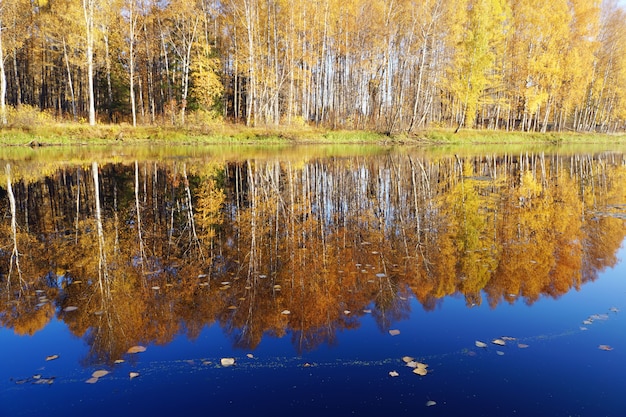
81, 134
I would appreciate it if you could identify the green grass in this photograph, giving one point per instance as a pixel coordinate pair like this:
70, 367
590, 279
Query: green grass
69, 134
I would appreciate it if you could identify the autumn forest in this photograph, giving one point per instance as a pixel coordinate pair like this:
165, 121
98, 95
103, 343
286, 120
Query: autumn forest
384, 65
138, 252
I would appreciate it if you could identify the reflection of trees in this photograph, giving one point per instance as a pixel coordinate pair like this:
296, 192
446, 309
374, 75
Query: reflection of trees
150, 250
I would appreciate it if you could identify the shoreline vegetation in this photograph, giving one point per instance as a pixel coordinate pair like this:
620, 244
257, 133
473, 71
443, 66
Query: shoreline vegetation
76, 134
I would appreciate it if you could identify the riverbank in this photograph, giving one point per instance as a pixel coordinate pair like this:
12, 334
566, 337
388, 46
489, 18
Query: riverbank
64, 134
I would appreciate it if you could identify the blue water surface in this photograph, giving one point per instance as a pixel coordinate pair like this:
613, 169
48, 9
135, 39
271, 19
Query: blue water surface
562, 372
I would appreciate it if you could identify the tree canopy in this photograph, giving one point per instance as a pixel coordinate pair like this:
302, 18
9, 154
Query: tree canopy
385, 65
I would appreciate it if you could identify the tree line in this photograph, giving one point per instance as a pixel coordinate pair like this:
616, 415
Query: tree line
385, 65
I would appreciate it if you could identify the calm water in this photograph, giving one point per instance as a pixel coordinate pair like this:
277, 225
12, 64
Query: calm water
318, 270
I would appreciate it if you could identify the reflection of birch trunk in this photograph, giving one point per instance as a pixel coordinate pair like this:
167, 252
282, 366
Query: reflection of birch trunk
15, 256
142, 252
103, 275
253, 200
190, 218
78, 171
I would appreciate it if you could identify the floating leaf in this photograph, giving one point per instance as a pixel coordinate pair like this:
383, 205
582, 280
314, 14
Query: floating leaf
227, 362
480, 344
498, 342
367, 311
411, 364
421, 365
393, 373
100, 373
346, 312
605, 347
583, 328
407, 359
394, 332
499, 353
156, 287
430, 403
133, 375
92, 380
44, 381
507, 338
420, 371
70, 308
232, 307
285, 312
522, 345
119, 361
587, 322
136, 349
250, 356
52, 357
614, 310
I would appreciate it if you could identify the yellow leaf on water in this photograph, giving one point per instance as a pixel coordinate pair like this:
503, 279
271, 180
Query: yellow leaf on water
420, 371
394, 332
498, 342
133, 375
92, 380
393, 374
522, 345
480, 344
52, 357
70, 308
407, 359
605, 347
136, 349
430, 403
119, 361
227, 362
100, 373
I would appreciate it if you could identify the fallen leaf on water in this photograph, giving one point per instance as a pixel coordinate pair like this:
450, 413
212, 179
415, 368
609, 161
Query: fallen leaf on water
44, 381
394, 332
605, 347
587, 322
70, 308
227, 362
583, 328
367, 311
522, 345
100, 373
92, 380
498, 342
614, 310
499, 353
52, 357
420, 371
119, 361
430, 403
411, 364
285, 312
232, 307
393, 373
407, 359
156, 287
250, 356
136, 349
133, 375
508, 338
480, 344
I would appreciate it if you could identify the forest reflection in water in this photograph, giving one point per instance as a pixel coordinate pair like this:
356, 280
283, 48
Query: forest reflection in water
139, 252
